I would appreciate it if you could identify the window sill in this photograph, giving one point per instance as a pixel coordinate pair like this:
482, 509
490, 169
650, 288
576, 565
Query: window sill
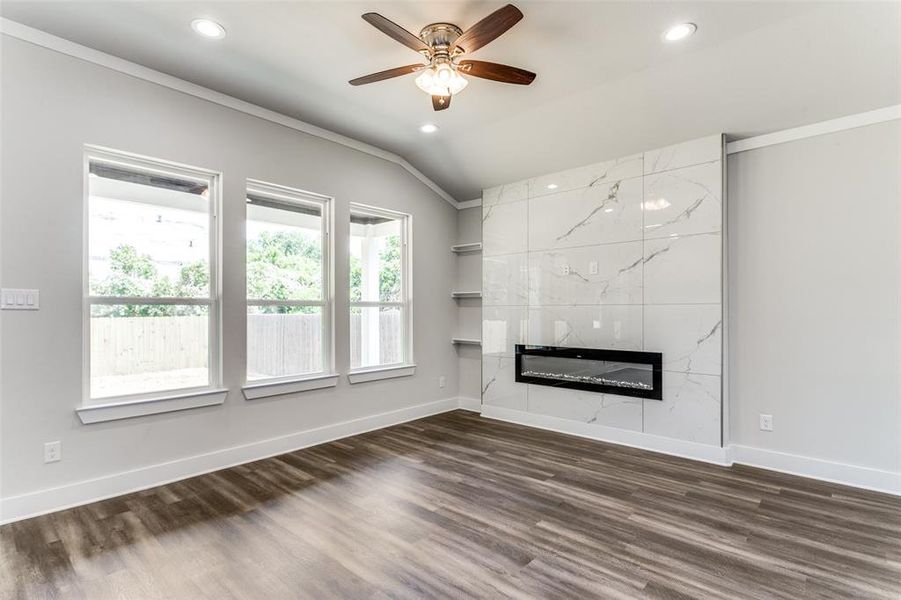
113, 411
374, 374
264, 389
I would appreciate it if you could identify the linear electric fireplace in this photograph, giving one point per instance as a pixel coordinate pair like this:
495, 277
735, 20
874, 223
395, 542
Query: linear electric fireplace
623, 372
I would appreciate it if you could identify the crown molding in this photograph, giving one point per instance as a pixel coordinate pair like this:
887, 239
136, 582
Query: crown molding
469, 203
63, 46
872, 117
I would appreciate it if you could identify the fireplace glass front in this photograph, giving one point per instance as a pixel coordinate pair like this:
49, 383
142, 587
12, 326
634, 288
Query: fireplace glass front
622, 372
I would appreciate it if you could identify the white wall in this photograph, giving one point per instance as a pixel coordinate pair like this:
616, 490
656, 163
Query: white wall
54, 104
815, 296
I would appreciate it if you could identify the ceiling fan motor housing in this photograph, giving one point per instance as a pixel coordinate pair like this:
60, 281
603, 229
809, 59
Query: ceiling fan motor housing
440, 36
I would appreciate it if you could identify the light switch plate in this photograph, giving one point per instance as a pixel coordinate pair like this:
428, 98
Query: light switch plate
20, 299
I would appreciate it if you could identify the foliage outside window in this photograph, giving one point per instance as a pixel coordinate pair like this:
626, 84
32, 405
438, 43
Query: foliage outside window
379, 292
151, 298
288, 308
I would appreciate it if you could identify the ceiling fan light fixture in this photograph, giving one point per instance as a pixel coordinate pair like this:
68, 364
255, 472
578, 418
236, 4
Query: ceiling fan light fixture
442, 44
441, 81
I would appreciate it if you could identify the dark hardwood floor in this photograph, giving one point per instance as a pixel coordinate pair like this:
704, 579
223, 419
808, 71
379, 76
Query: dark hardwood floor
458, 506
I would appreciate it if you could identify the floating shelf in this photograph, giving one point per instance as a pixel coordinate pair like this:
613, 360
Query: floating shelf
463, 248
460, 295
466, 341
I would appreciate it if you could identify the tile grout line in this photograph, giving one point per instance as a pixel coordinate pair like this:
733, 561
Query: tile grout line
643, 236
603, 244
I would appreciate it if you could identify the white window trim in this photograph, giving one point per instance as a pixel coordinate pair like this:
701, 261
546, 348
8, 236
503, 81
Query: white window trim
266, 388
407, 367
95, 410
381, 372
114, 411
261, 388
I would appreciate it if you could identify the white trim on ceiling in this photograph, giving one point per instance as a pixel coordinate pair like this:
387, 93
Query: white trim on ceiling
880, 115
63, 46
469, 203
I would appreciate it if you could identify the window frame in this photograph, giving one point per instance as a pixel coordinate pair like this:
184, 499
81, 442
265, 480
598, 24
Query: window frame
213, 302
289, 195
406, 295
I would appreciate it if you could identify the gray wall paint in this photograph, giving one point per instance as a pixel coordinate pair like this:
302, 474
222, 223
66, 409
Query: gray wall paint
814, 288
52, 105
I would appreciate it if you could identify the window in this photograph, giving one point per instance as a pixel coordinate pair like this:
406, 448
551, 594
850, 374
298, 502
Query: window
288, 272
151, 290
379, 288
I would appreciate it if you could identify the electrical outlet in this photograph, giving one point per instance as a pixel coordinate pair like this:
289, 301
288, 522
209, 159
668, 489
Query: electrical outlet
442, 381
53, 452
593, 267
766, 422
566, 269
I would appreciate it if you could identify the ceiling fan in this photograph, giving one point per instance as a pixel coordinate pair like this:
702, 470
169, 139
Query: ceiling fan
442, 44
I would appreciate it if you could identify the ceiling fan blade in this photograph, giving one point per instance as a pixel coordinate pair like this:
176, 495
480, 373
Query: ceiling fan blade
396, 32
373, 77
496, 72
488, 29
440, 102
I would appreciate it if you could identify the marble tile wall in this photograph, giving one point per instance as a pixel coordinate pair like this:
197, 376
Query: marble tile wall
622, 254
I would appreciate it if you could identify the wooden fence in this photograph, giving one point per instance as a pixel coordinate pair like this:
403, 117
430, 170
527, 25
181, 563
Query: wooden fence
131, 345
277, 344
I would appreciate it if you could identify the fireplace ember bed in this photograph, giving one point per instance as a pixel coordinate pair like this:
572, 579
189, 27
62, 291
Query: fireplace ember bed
621, 372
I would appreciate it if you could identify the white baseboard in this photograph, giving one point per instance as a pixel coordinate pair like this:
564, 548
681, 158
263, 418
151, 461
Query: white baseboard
624, 437
471, 404
815, 468
16, 508
803, 466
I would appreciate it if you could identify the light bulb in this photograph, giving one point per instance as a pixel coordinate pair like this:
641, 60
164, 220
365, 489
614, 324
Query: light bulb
458, 82
444, 74
207, 28
442, 80
425, 80
679, 32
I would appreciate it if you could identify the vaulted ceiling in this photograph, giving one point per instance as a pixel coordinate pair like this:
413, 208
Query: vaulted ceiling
607, 84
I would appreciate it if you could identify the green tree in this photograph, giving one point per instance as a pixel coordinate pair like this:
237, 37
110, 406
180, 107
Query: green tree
134, 274
389, 273
284, 266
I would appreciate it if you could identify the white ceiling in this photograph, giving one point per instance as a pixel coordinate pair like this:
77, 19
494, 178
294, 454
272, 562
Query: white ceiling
607, 85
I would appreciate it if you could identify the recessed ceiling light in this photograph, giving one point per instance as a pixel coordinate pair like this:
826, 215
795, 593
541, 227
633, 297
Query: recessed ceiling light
552, 186
208, 29
429, 128
679, 32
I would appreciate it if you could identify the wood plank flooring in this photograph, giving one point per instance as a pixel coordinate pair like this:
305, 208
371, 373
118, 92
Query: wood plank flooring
457, 506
